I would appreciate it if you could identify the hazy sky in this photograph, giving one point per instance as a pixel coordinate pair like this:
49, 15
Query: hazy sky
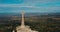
15, 6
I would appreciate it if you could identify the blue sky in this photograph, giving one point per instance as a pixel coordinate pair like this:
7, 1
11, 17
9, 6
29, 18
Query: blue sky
16, 6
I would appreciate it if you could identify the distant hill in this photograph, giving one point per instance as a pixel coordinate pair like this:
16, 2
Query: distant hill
5, 17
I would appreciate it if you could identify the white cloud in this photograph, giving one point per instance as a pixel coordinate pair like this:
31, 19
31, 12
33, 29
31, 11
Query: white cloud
13, 5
